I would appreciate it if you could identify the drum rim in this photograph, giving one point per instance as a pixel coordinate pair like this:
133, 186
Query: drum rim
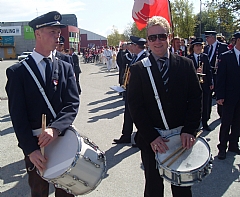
188, 172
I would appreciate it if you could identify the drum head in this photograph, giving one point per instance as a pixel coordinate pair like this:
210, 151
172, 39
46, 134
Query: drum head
190, 160
60, 154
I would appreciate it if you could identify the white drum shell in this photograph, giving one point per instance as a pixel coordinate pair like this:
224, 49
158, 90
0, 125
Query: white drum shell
191, 167
86, 170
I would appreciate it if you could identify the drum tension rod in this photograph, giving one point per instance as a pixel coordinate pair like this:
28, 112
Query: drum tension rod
89, 160
79, 180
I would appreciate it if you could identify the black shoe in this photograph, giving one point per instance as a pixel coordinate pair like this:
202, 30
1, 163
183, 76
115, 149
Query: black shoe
122, 140
207, 128
134, 146
235, 150
221, 155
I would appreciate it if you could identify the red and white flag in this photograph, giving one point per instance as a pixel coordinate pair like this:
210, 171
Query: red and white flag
145, 9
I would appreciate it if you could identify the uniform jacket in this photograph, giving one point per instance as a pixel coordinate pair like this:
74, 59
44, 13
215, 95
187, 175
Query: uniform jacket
208, 80
228, 78
181, 104
76, 66
220, 48
63, 57
26, 103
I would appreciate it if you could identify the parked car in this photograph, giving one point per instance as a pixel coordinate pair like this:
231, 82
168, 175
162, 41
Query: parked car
23, 55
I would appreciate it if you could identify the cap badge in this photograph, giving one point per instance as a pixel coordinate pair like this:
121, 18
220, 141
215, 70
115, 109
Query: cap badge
57, 17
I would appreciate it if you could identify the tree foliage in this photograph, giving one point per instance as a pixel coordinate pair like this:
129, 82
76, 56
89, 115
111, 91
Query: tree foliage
183, 18
115, 37
219, 15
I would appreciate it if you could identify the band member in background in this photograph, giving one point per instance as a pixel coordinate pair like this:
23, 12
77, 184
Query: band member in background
202, 66
228, 96
76, 68
119, 60
138, 49
180, 95
59, 51
232, 43
108, 57
175, 46
183, 47
26, 103
213, 50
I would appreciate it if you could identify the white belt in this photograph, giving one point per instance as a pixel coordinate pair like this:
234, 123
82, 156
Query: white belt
166, 133
37, 132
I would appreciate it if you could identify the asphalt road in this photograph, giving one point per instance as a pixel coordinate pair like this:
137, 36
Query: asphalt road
100, 118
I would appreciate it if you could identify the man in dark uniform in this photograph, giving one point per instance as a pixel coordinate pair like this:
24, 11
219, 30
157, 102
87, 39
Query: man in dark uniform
202, 66
228, 96
138, 48
180, 94
213, 50
76, 68
26, 103
58, 52
119, 60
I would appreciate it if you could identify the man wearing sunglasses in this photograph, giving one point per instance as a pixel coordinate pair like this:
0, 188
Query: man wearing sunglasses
180, 95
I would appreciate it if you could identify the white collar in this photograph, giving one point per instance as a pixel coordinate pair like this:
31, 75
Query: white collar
38, 57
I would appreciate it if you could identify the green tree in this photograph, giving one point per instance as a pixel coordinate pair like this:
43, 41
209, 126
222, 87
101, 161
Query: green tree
115, 37
183, 18
132, 30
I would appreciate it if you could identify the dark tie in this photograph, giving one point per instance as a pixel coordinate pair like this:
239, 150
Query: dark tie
47, 70
134, 59
210, 51
239, 60
198, 60
164, 72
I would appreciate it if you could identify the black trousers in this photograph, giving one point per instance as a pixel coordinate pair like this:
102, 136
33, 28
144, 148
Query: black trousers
206, 112
40, 187
154, 183
230, 121
127, 122
77, 75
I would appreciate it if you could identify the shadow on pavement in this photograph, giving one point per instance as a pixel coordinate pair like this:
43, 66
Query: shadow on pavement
6, 118
109, 115
114, 159
7, 131
224, 173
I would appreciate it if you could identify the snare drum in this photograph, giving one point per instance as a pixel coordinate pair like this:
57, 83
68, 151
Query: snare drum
74, 163
191, 167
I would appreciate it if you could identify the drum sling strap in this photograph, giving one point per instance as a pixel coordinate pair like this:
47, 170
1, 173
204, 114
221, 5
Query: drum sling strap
146, 63
40, 88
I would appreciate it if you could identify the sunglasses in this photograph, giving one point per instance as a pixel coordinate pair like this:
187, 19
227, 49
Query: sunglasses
161, 37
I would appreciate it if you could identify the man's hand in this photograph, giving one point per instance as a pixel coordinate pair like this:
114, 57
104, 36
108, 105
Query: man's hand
159, 145
187, 140
220, 101
38, 160
45, 138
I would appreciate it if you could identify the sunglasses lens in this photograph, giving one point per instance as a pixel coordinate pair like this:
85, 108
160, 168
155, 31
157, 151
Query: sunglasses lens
152, 38
161, 37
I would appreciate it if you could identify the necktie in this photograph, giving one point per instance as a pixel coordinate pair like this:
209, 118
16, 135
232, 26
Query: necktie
210, 52
47, 70
164, 72
239, 60
198, 60
134, 59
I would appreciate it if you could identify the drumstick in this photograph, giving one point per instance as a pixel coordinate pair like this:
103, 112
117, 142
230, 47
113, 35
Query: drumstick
43, 129
183, 150
174, 153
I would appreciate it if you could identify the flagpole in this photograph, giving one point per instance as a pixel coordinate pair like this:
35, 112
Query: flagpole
169, 4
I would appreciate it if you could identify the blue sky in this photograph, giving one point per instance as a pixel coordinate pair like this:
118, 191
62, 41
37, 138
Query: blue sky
98, 16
